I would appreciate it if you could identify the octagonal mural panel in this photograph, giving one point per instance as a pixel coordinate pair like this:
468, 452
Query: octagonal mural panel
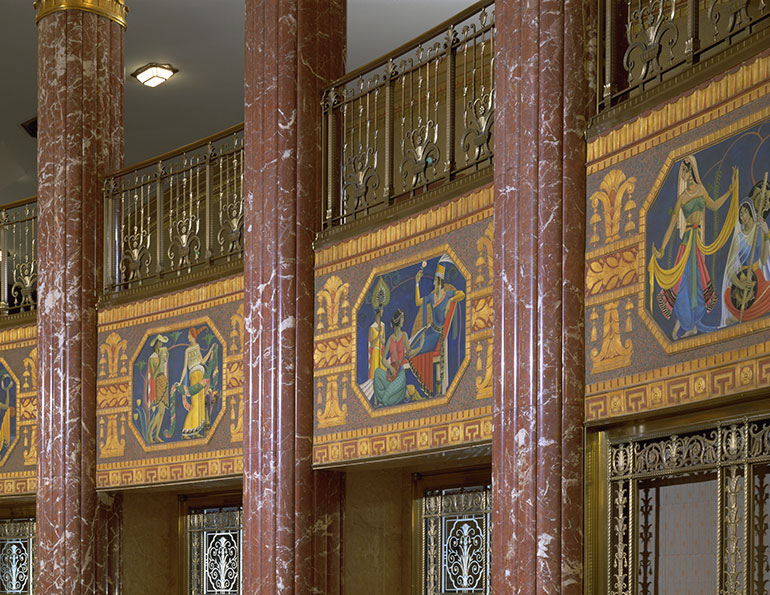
410, 328
707, 240
177, 384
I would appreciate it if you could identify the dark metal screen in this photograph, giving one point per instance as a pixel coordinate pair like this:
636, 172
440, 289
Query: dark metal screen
17, 556
214, 549
456, 546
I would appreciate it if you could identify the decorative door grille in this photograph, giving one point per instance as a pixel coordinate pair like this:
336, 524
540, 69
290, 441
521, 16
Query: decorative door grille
17, 551
214, 546
688, 512
455, 540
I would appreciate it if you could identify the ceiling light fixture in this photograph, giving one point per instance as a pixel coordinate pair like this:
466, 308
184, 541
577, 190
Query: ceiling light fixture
153, 74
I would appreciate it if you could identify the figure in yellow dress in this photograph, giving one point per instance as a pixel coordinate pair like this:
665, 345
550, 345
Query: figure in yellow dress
196, 379
376, 341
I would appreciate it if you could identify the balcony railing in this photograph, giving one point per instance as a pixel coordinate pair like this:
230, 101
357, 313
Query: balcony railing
18, 256
415, 119
645, 43
175, 214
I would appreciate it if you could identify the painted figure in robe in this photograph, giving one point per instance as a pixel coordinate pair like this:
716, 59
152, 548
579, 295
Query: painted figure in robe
390, 386
196, 380
158, 388
8, 411
438, 309
746, 280
686, 289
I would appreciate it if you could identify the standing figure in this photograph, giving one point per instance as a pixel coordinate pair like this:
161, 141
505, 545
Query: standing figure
745, 284
437, 322
157, 386
686, 288
6, 384
376, 341
197, 383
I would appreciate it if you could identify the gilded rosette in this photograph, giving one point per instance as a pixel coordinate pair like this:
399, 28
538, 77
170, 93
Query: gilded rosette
114, 10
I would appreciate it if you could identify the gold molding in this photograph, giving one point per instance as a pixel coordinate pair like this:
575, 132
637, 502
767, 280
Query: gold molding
436, 222
719, 97
115, 10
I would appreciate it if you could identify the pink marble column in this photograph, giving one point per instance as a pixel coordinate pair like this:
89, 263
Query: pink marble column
539, 239
291, 514
80, 139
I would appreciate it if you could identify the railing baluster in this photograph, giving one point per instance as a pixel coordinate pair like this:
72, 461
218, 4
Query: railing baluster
449, 162
207, 251
390, 75
159, 220
4, 261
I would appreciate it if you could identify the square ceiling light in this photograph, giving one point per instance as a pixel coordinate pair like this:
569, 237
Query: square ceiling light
154, 74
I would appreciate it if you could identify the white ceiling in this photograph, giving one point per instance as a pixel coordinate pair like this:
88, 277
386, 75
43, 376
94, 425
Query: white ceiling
204, 40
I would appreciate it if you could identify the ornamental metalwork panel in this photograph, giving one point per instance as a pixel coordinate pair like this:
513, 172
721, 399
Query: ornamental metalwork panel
645, 43
17, 552
214, 546
422, 116
688, 512
456, 544
176, 215
18, 257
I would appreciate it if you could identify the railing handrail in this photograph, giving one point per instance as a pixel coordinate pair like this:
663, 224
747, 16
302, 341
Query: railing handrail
411, 44
18, 203
178, 151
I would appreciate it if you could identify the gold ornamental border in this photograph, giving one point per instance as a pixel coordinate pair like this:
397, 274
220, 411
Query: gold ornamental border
736, 372
13, 444
115, 10
459, 429
18, 484
699, 340
20, 336
218, 464
436, 222
732, 91
391, 266
173, 304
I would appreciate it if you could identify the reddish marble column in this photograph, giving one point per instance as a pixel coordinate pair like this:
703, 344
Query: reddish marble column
291, 515
539, 240
80, 139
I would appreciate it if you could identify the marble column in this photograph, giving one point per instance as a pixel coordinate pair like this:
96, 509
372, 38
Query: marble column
291, 514
80, 139
539, 241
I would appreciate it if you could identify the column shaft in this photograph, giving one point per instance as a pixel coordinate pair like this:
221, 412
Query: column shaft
539, 241
80, 111
293, 47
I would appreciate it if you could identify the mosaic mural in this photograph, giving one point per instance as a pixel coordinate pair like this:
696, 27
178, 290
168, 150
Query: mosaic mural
7, 410
177, 384
708, 240
402, 357
417, 353
677, 285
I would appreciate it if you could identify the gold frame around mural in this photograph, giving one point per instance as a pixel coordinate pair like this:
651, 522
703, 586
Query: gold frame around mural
379, 270
699, 340
168, 328
13, 444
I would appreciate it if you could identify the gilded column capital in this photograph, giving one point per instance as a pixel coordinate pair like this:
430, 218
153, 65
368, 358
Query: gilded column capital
114, 10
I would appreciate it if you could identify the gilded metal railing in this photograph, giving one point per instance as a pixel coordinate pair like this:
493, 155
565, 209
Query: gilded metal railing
175, 214
644, 43
18, 256
412, 120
